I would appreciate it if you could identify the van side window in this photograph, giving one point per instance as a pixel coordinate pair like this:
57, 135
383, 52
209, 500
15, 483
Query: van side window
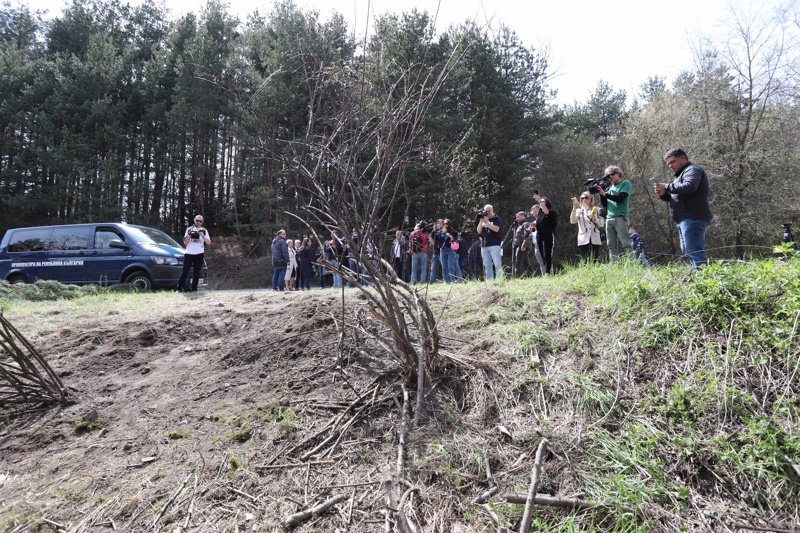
104, 236
31, 240
71, 238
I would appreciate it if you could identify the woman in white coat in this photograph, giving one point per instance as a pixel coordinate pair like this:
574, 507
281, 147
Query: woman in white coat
590, 224
291, 268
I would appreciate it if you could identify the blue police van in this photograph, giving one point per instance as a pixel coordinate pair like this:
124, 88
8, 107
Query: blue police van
104, 254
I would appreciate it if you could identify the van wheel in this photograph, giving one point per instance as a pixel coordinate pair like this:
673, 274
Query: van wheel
17, 280
140, 280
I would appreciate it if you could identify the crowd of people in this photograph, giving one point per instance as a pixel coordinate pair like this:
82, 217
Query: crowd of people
435, 251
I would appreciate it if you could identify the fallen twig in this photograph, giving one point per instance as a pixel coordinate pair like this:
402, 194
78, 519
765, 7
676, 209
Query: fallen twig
566, 503
537, 466
329, 439
169, 502
293, 465
296, 519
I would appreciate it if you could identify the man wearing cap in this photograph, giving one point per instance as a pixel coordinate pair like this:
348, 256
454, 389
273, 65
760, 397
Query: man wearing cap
616, 200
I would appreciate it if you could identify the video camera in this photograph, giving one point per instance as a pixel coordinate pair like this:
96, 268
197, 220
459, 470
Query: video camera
194, 234
426, 226
482, 213
592, 184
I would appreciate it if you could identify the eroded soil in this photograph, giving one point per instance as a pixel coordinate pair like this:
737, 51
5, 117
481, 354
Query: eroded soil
200, 410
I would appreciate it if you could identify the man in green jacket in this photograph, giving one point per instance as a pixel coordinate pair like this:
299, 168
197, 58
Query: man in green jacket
616, 201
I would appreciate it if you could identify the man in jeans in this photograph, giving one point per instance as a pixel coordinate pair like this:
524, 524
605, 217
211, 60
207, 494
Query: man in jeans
280, 260
418, 248
489, 226
688, 204
616, 201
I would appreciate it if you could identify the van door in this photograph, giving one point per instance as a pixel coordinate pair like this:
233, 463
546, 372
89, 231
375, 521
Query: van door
67, 257
109, 262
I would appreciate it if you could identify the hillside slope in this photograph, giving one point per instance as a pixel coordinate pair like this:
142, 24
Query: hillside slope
669, 400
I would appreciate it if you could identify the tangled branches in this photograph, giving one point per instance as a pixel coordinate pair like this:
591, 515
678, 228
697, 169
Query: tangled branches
25, 376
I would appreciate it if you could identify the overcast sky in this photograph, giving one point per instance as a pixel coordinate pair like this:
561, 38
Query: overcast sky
622, 42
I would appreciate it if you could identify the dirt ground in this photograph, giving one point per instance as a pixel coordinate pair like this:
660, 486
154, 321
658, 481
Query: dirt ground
199, 413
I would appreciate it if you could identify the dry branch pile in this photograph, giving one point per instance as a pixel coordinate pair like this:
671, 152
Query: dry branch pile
25, 376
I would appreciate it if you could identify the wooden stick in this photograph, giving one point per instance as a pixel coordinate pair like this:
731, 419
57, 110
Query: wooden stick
296, 519
332, 437
293, 465
537, 466
169, 502
566, 503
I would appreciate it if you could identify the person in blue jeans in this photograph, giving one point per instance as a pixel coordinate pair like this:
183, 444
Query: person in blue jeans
448, 256
687, 195
334, 249
280, 259
418, 248
489, 226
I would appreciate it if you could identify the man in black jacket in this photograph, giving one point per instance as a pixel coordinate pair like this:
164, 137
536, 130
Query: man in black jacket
688, 204
280, 260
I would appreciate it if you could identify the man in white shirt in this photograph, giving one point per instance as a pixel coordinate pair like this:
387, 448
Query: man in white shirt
195, 239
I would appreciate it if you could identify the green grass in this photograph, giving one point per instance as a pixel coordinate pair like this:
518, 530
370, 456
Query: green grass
691, 387
659, 387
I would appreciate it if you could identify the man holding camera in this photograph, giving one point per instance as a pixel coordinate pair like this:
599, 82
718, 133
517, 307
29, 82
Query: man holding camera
688, 203
488, 229
195, 239
616, 201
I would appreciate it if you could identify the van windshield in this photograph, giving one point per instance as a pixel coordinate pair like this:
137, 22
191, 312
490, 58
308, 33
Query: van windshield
145, 235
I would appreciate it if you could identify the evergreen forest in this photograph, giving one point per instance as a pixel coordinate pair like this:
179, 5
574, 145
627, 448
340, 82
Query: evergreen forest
114, 112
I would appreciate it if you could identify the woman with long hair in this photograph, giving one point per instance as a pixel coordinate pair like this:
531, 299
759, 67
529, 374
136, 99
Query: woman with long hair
546, 222
589, 221
448, 253
291, 268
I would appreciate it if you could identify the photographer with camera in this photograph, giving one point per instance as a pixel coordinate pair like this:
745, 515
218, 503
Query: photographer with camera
616, 201
688, 203
488, 229
589, 222
418, 248
195, 239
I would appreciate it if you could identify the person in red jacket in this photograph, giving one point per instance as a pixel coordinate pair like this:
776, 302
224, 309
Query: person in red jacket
418, 248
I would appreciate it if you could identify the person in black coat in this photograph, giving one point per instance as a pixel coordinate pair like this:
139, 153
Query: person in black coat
546, 222
305, 259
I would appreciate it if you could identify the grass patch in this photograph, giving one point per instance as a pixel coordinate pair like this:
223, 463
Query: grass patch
82, 425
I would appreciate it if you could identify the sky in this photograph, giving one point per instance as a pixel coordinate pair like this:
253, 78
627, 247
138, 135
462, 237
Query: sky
621, 42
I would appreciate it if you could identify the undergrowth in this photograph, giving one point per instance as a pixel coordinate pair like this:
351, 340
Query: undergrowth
669, 397
668, 391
